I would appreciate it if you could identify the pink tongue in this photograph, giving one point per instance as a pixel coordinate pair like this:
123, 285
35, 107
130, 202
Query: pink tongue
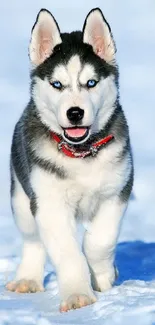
76, 133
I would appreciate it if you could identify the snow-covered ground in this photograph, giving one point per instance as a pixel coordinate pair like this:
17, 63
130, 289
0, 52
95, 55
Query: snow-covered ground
133, 297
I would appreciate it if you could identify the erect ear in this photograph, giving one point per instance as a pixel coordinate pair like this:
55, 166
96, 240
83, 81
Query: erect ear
97, 33
45, 36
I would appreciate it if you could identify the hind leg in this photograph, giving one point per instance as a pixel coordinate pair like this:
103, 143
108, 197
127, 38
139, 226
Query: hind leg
29, 275
100, 242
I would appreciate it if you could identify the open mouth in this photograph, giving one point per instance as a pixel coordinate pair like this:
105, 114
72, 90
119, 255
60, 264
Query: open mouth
76, 134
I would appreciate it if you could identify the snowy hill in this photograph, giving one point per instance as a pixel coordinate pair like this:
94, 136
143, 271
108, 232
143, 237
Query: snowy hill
133, 297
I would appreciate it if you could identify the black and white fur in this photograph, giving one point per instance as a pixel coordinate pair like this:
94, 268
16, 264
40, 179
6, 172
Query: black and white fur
50, 191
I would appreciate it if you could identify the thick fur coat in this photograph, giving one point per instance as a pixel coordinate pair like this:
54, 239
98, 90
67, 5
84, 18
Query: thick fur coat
75, 94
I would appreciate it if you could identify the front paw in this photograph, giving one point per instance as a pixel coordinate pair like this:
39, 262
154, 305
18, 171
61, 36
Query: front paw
104, 281
24, 286
76, 301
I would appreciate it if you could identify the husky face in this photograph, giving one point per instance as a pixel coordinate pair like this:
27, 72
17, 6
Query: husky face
74, 82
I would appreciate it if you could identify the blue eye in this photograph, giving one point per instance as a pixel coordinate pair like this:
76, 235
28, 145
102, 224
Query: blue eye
57, 85
91, 83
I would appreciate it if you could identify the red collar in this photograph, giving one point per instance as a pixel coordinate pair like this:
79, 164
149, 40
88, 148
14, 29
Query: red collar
73, 153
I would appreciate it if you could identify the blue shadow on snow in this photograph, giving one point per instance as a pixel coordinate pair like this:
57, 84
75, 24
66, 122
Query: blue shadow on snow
135, 261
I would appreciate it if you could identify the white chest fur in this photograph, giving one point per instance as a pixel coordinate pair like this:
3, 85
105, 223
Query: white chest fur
87, 180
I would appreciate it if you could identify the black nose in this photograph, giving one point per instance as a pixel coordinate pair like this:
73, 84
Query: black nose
75, 114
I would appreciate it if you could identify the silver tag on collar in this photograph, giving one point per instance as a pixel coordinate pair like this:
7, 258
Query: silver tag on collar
93, 151
60, 144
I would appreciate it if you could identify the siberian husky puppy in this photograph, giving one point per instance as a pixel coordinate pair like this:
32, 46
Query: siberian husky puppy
71, 160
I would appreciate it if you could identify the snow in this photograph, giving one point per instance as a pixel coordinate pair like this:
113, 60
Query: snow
132, 299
